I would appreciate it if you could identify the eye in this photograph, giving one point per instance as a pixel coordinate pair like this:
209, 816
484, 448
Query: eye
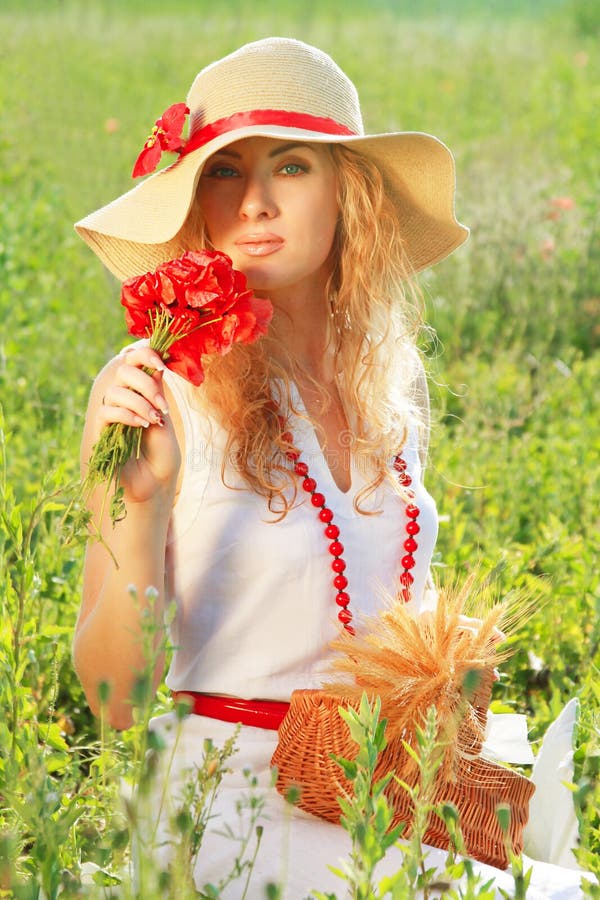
293, 169
222, 171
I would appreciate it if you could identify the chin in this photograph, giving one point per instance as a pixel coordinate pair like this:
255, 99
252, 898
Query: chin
259, 280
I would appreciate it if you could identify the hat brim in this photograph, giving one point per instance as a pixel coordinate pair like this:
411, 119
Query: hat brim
136, 232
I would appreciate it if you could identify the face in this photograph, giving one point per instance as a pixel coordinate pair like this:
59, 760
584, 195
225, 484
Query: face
272, 207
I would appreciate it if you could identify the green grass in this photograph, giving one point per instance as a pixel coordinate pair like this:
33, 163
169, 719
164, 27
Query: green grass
514, 89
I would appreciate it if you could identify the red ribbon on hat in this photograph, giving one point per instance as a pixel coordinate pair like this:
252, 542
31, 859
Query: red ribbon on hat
275, 117
166, 137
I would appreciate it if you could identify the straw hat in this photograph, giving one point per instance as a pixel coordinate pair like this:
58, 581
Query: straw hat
284, 89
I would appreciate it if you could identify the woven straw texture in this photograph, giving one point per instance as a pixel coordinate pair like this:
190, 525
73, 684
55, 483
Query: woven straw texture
441, 659
313, 730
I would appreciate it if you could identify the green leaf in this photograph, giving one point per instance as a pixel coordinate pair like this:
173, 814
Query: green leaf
390, 838
503, 815
51, 736
349, 767
104, 879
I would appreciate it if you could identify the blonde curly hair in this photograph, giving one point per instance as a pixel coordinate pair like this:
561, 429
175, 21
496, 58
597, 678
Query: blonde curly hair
375, 318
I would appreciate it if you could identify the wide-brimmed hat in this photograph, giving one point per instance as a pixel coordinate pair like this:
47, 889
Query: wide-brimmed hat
285, 89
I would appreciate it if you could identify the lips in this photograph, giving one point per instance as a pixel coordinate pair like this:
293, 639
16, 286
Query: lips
259, 244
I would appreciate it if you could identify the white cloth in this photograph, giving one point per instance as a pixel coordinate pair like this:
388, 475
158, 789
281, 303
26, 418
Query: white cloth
297, 849
255, 600
506, 739
552, 830
255, 614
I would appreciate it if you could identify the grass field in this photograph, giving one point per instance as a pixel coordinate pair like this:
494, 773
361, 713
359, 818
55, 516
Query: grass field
514, 89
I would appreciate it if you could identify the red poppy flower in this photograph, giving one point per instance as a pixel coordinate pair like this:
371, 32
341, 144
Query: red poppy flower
166, 135
192, 306
188, 307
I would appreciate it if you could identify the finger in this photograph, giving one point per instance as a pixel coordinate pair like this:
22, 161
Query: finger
147, 386
160, 399
468, 623
109, 415
117, 397
143, 355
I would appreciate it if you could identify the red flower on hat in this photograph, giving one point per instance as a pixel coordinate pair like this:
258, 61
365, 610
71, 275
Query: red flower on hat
166, 135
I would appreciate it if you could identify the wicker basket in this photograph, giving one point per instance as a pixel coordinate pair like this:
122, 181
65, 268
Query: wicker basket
313, 730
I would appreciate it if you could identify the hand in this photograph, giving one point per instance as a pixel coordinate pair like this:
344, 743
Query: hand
469, 623
134, 397
126, 394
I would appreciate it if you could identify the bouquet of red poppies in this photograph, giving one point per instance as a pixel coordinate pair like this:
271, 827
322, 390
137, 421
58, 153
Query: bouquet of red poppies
188, 308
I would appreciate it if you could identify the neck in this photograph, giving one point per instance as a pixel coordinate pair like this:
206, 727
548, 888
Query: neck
302, 327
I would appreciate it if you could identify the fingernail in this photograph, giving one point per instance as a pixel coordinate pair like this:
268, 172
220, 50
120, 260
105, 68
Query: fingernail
157, 418
141, 422
162, 404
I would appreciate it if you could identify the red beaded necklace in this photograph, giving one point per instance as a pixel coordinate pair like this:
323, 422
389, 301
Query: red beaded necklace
332, 532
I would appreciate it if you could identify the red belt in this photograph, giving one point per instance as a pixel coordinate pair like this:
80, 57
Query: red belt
258, 713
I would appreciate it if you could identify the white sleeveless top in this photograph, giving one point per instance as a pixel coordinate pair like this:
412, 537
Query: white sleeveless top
255, 602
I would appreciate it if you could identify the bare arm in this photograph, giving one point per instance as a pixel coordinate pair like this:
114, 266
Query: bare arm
108, 638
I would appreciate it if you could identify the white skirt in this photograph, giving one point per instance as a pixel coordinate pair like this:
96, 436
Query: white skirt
296, 849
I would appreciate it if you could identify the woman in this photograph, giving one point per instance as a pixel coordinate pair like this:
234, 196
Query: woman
236, 482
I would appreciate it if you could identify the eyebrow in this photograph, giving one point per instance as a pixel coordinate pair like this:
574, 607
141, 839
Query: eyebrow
291, 146
225, 151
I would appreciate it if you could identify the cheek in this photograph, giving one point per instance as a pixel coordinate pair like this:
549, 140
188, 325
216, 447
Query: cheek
327, 227
213, 209
208, 211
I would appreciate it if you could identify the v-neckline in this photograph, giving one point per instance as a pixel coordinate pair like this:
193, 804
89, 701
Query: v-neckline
308, 429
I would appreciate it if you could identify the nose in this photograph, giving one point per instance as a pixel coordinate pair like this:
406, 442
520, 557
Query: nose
257, 201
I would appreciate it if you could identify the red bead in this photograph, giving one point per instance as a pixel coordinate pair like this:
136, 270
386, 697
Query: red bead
281, 421
332, 532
